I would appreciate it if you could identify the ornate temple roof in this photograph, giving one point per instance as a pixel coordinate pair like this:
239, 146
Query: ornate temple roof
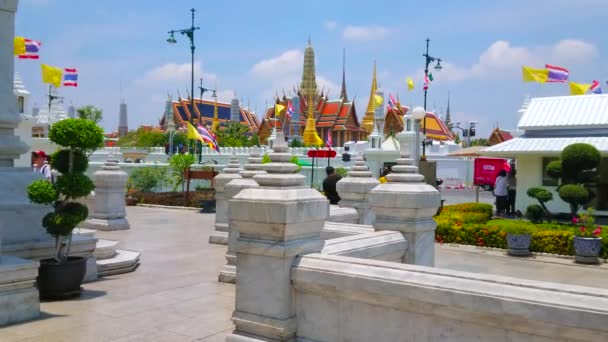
435, 128
498, 136
203, 113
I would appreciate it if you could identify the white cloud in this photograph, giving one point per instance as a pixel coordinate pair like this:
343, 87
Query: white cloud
287, 63
330, 25
365, 33
502, 60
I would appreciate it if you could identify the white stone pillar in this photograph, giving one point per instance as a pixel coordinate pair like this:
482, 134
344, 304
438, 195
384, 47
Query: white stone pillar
230, 172
18, 296
354, 190
253, 167
407, 204
277, 221
109, 202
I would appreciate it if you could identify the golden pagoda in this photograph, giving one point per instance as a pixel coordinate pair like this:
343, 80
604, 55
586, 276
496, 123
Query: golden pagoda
309, 88
215, 125
368, 120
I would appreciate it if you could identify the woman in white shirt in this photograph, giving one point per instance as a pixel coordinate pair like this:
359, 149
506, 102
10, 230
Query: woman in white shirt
501, 192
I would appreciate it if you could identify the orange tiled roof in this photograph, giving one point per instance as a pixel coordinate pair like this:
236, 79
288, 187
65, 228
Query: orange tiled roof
435, 128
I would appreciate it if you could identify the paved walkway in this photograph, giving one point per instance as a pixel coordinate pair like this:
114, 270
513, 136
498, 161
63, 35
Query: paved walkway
175, 296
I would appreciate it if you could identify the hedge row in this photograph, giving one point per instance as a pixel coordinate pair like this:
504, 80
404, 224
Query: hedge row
475, 228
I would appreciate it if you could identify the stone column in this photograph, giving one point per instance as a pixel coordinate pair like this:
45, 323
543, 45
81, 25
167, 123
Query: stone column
406, 204
109, 202
231, 171
277, 221
253, 167
18, 296
354, 190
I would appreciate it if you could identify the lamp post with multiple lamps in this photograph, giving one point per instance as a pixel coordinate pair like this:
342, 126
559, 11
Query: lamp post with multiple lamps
467, 133
428, 60
189, 32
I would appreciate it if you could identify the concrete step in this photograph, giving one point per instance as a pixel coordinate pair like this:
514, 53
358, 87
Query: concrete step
85, 232
346, 215
122, 262
105, 249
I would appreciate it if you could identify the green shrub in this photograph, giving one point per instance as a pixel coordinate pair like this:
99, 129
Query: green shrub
470, 208
42, 191
266, 159
74, 185
578, 157
342, 172
60, 161
535, 213
147, 179
554, 169
295, 160
575, 195
78, 134
540, 194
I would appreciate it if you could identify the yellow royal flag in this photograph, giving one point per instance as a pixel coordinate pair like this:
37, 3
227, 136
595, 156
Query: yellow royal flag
378, 100
52, 75
534, 75
579, 88
277, 109
19, 48
193, 133
410, 84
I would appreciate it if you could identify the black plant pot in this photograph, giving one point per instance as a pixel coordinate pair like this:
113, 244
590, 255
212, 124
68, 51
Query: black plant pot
207, 206
518, 244
61, 280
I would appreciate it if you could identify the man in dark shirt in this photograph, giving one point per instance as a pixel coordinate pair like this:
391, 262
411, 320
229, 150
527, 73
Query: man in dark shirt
329, 185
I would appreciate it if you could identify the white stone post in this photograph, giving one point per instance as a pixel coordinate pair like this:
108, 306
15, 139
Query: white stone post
18, 296
354, 190
253, 167
277, 221
407, 204
231, 171
109, 202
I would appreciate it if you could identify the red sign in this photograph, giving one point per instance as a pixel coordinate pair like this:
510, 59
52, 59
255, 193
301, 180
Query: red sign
322, 153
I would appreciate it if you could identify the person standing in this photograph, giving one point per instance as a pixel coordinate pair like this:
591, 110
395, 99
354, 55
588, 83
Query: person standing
501, 193
329, 185
512, 185
41, 164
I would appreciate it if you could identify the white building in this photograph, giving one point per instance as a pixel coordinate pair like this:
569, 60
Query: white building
550, 124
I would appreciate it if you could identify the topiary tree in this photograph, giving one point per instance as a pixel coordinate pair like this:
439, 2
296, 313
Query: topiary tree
576, 168
76, 137
542, 196
535, 213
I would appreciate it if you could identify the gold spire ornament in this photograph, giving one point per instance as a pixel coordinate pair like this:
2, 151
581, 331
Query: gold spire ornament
368, 120
215, 125
310, 137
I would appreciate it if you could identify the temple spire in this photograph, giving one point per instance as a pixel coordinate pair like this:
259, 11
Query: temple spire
215, 124
448, 117
368, 119
343, 95
309, 83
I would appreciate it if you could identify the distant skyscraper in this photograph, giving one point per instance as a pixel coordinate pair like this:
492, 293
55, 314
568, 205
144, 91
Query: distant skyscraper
123, 127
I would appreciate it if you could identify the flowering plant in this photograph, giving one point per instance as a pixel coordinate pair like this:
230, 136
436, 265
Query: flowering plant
586, 225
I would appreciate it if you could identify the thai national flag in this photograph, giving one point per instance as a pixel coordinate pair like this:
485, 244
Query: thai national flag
70, 77
329, 141
391, 101
426, 82
289, 110
557, 74
595, 87
208, 137
32, 49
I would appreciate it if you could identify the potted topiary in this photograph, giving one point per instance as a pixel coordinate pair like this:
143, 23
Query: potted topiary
62, 275
518, 240
587, 242
543, 196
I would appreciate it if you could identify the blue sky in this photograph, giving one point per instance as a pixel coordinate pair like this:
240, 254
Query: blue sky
255, 48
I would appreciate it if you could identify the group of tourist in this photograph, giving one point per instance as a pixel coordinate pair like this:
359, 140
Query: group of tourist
504, 191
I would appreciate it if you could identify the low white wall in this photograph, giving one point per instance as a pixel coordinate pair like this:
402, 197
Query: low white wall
348, 299
383, 245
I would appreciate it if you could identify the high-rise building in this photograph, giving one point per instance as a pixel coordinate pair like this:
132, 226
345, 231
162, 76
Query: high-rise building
123, 127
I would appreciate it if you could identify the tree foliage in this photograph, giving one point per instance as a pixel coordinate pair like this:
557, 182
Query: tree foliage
77, 134
90, 113
180, 163
145, 138
234, 134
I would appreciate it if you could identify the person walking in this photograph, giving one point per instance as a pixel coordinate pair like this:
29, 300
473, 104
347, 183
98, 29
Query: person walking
329, 185
41, 165
501, 193
512, 185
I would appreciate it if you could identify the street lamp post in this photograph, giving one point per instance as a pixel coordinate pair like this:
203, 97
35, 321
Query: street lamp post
428, 60
189, 32
467, 133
